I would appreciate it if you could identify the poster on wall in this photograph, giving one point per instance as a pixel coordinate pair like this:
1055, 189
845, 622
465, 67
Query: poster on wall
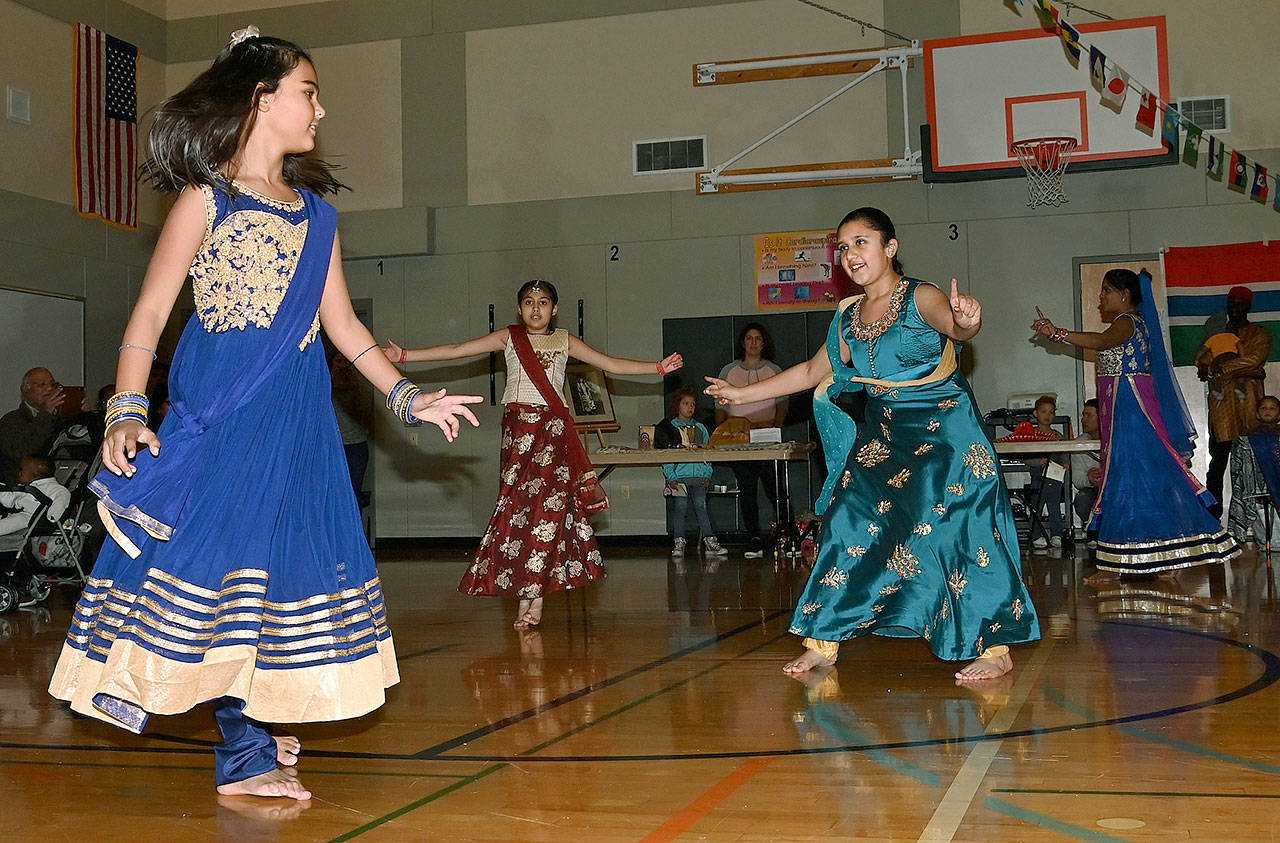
797, 269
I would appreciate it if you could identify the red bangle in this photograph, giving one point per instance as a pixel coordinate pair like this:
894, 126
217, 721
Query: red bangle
1059, 335
403, 355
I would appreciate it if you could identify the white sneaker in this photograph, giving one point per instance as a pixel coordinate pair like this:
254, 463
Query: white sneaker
714, 547
1056, 541
1040, 543
678, 550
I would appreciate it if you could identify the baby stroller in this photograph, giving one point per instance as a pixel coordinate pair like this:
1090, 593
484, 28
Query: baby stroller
48, 553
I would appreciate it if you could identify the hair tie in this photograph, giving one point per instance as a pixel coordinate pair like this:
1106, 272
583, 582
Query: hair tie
245, 34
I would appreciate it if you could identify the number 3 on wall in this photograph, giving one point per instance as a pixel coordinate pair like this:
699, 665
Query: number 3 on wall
953, 232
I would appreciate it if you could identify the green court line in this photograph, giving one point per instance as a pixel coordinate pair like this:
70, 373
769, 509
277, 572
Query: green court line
1056, 697
309, 772
1047, 822
413, 806
1136, 793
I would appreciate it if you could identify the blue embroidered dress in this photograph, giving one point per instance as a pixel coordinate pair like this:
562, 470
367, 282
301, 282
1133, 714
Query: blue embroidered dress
918, 537
239, 566
1151, 513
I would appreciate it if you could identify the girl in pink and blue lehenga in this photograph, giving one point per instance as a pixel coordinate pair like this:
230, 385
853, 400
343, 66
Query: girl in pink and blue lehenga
239, 573
1151, 514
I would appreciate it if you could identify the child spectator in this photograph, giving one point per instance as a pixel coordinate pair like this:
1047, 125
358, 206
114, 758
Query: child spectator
1042, 480
1086, 471
34, 473
1255, 470
687, 481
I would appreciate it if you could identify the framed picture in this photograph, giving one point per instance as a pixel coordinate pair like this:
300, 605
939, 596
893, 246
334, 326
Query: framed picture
588, 395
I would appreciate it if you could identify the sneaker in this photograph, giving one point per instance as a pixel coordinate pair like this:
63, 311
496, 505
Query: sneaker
755, 548
1040, 543
1056, 541
678, 549
713, 547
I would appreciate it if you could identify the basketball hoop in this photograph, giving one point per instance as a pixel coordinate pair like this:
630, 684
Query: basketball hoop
1044, 160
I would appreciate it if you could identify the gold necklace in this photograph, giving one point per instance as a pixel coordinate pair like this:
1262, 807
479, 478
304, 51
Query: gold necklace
270, 200
868, 333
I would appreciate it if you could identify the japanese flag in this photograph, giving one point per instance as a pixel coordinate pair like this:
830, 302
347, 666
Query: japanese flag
1116, 86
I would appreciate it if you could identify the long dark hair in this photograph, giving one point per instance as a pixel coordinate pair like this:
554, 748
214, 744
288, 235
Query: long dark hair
198, 131
876, 220
740, 349
1126, 281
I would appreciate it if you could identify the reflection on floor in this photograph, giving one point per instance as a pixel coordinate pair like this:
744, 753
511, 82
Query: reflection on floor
652, 706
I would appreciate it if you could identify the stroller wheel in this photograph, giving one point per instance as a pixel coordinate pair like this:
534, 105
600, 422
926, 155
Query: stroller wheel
36, 591
8, 599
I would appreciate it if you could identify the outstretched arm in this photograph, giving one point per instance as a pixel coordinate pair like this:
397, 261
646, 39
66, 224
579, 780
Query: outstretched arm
957, 316
354, 341
450, 351
800, 377
623, 365
1117, 332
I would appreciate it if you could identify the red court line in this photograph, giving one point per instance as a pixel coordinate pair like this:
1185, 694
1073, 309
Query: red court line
708, 801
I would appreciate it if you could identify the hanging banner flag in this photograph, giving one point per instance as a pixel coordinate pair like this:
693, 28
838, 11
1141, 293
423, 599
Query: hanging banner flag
106, 127
1070, 39
1170, 128
1275, 203
1048, 15
1147, 112
798, 269
1191, 149
1237, 169
1097, 67
1197, 279
1213, 165
1116, 87
1259, 190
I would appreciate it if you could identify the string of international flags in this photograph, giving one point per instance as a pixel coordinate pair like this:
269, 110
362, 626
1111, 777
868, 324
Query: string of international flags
1114, 83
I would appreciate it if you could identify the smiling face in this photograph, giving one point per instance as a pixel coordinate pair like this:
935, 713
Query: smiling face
863, 254
537, 311
292, 112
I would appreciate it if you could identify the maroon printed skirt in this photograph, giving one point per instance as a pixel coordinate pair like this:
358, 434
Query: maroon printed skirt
538, 541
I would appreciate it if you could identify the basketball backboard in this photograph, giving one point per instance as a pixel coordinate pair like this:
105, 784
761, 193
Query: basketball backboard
983, 92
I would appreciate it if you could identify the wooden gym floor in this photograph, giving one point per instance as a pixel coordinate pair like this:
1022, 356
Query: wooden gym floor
652, 708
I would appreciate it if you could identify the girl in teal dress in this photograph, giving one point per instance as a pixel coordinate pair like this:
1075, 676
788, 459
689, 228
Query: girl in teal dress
918, 538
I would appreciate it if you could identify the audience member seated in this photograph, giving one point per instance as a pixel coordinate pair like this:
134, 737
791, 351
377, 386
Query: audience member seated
33, 473
27, 430
1086, 472
1049, 489
1255, 471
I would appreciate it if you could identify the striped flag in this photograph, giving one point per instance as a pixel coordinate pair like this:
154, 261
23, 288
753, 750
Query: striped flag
106, 122
1197, 279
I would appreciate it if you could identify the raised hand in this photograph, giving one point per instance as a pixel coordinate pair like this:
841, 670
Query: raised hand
723, 391
121, 445
443, 410
1042, 325
394, 353
670, 363
965, 310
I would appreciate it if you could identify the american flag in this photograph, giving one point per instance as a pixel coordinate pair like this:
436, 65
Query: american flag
106, 127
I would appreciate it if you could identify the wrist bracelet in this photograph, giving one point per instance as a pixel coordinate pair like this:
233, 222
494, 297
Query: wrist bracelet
139, 347
1059, 335
127, 405
400, 400
404, 354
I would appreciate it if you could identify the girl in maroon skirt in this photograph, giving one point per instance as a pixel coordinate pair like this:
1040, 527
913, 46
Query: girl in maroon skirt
539, 537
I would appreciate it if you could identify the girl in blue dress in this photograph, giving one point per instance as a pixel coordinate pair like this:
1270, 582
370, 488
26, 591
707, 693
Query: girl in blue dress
918, 539
239, 573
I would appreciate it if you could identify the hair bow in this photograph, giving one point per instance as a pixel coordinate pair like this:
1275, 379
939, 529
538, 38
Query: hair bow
245, 34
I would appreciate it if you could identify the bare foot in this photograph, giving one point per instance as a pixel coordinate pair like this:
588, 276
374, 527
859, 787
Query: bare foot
986, 668
1100, 576
807, 661
274, 783
530, 614
252, 810
287, 749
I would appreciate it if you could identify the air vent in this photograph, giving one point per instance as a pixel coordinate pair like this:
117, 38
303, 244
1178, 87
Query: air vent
670, 155
1213, 114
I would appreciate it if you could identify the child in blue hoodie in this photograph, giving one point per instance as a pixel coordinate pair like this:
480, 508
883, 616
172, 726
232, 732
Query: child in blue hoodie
691, 478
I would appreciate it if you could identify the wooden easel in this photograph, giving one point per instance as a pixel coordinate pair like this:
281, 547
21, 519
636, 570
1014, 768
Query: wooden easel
599, 429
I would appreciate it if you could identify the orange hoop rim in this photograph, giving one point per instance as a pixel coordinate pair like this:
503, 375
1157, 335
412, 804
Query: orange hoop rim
1065, 143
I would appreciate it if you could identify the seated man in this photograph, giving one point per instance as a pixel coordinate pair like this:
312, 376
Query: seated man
1043, 481
34, 473
1086, 472
1255, 470
28, 429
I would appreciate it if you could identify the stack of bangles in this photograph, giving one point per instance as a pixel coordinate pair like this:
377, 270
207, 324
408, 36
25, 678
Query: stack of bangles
400, 400
127, 406
1059, 335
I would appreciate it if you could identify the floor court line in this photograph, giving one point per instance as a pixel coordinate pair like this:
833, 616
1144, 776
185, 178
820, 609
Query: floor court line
707, 801
959, 797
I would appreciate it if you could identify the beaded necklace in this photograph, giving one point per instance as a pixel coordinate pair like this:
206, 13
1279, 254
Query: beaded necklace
869, 333
295, 205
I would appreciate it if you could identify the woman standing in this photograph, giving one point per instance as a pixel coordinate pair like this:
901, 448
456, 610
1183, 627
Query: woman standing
1151, 514
753, 364
918, 539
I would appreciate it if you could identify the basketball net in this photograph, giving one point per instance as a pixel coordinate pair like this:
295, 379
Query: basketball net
1044, 160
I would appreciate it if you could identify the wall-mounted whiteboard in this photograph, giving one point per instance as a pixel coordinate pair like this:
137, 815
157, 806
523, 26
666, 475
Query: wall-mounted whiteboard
39, 330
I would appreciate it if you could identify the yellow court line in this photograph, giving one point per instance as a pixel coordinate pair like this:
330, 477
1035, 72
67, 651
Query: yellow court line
955, 803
